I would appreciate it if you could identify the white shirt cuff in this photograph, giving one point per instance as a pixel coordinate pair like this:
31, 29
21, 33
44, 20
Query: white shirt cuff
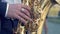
6, 10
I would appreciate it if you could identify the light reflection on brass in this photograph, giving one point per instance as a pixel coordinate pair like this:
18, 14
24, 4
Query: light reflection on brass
37, 12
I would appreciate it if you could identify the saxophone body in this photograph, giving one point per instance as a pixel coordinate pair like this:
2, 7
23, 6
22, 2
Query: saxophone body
39, 10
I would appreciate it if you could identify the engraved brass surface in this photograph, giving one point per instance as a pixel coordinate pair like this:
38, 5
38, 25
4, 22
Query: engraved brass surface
39, 10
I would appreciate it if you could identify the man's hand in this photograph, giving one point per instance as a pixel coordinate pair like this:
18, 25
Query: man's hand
20, 12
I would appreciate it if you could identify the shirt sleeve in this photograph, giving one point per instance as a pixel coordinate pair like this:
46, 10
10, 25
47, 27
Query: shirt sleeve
6, 10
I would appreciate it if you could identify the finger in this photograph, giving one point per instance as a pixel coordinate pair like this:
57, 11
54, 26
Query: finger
23, 6
25, 12
21, 19
20, 6
25, 16
26, 7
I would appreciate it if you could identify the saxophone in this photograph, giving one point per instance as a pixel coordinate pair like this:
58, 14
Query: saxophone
39, 10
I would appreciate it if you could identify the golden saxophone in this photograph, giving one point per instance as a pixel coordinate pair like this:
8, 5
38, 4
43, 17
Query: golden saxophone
39, 10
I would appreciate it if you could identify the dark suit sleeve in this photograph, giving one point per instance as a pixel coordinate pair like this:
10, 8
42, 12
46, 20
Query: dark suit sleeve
3, 8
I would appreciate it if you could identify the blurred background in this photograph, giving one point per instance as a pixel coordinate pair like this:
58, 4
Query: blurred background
53, 21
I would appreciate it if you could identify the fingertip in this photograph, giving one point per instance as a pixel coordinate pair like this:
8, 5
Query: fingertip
30, 20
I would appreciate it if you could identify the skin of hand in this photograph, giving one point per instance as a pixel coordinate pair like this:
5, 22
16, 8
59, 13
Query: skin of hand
15, 12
